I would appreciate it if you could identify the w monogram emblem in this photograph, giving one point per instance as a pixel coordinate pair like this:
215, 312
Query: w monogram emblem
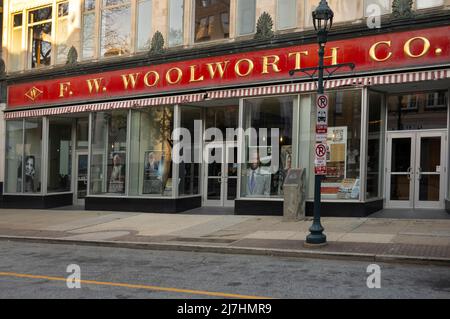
33, 93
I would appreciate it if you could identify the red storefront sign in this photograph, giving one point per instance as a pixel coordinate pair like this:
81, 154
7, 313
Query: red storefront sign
371, 53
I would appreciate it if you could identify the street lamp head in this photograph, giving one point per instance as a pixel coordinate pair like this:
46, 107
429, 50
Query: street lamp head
323, 17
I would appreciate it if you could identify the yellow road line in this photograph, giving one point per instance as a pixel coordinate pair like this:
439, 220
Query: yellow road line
133, 286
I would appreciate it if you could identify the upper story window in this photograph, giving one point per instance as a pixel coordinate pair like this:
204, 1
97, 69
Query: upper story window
115, 27
144, 24
15, 47
110, 29
176, 22
212, 20
246, 15
424, 4
286, 14
40, 36
62, 32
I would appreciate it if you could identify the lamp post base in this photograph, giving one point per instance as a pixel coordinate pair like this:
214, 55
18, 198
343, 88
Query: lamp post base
316, 236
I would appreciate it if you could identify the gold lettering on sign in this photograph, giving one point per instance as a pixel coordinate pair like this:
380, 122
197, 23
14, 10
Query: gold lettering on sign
64, 88
298, 58
237, 68
373, 51
130, 79
95, 83
155, 81
179, 76
426, 47
217, 67
193, 79
333, 56
273, 64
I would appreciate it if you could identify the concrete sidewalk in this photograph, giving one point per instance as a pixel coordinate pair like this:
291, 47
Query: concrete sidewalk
398, 240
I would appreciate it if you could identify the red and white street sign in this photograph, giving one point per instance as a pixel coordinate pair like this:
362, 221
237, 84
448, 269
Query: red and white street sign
321, 159
322, 114
321, 135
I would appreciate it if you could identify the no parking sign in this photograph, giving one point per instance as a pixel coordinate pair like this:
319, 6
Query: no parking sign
320, 150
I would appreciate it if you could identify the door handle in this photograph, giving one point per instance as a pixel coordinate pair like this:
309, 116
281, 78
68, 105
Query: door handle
410, 172
419, 173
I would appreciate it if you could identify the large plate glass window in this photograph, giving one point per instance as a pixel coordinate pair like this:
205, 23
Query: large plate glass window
109, 153
262, 174
189, 170
151, 152
32, 156
375, 146
14, 156
343, 146
59, 155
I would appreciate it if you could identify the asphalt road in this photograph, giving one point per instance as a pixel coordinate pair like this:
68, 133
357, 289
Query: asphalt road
114, 273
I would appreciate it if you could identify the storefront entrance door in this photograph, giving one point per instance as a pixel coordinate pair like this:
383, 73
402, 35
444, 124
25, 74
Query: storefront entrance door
416, 170
81, 180
221, 174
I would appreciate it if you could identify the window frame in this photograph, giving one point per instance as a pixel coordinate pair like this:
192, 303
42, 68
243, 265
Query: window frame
21, 57
232, 26
29, 34
185, 5
277, 11
238, 34
58, 19
135, 26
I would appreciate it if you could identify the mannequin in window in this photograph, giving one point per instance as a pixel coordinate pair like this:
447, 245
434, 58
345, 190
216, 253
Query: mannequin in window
257, 182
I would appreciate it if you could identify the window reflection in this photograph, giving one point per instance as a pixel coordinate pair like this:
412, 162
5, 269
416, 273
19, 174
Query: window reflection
258, 179
116, 28
40, 31
176, 20
144, 31
212, 20
417, 111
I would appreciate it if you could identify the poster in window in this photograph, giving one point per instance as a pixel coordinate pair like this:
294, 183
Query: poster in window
30, 172
153, 172
117, 174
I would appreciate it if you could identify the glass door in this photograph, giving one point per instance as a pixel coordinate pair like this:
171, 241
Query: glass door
81, 181
430, 171
415, 170
221, 174
400, 174
214, 170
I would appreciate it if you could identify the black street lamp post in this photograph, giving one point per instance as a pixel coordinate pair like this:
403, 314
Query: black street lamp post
323, 20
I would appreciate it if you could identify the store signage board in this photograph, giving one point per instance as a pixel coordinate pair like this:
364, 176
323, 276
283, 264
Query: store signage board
390, 51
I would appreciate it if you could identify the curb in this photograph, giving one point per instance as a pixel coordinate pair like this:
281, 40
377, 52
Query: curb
238, 250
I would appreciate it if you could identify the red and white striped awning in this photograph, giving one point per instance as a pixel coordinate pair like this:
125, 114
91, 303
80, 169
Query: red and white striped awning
331, 84
106, 106
292, 88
